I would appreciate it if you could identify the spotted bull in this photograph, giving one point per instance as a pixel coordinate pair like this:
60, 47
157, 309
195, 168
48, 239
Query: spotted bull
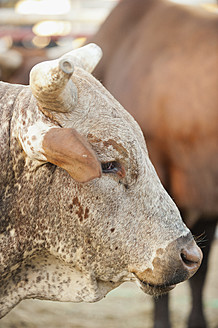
82, 209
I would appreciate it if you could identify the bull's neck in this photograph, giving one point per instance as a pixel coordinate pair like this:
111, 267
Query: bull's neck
8, 96
20, 187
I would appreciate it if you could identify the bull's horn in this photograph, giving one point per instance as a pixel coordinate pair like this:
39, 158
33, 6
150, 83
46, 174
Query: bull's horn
86, 57
51, 85
50, 81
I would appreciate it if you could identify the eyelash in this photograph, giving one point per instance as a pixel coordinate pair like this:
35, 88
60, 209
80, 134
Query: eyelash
110, 167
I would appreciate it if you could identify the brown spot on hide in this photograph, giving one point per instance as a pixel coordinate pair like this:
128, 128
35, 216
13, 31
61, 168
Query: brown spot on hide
23, 112
148, 272
38, 279
76, 201
92, 138
116, 146
80, 211
86, 213
160, 251
112, 229
119, 148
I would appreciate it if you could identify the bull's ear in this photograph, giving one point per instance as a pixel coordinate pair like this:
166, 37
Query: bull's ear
68, 149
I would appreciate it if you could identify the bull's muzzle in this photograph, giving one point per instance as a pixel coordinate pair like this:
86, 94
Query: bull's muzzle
177, 262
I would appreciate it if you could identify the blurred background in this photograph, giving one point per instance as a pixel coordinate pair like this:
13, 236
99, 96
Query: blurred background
34, 30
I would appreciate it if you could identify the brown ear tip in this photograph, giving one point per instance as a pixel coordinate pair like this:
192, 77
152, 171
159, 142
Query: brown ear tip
95, 173
87, 177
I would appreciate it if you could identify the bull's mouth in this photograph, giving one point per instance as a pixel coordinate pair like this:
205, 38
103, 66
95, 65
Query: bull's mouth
152, 289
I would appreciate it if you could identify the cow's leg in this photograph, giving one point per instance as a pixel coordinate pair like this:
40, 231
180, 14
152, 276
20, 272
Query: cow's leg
161, 312
197, 317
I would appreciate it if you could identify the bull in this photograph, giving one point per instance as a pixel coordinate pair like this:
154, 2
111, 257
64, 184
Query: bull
82, 208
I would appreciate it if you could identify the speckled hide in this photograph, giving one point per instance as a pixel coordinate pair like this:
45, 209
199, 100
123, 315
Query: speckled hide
95, 214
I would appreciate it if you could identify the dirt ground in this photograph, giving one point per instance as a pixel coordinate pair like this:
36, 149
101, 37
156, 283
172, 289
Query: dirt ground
125, 307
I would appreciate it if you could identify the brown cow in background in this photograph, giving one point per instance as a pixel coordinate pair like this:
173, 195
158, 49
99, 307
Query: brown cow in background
161, 62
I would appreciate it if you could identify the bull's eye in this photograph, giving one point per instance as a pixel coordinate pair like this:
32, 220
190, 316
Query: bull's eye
110, 167
113, 167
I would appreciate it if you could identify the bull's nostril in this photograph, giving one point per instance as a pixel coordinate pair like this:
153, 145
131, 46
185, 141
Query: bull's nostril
191, 256
185, 260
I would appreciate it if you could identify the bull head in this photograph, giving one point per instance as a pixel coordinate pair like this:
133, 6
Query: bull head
70, 241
